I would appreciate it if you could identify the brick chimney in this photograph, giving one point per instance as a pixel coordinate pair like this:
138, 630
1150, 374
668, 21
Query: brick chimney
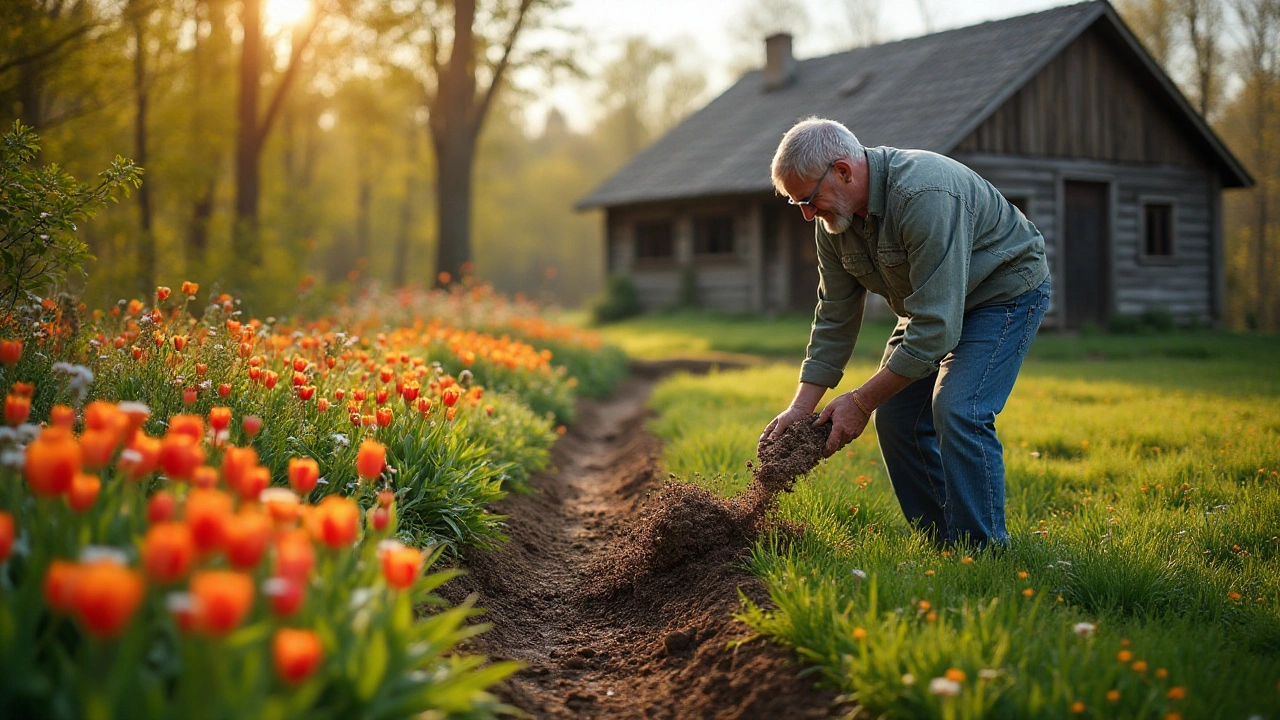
779, 65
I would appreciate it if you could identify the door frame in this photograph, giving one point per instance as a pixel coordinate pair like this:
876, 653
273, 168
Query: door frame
1061, 289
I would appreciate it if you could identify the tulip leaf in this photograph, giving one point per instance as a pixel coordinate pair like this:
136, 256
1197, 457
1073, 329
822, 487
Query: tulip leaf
373, 667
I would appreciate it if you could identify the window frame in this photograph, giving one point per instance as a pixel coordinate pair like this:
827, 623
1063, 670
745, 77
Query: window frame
1145, 258
706, 220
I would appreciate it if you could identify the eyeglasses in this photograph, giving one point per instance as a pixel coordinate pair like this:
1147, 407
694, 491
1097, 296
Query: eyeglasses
808, 202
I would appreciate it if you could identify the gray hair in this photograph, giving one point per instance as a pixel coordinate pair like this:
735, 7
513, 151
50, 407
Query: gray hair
810, 146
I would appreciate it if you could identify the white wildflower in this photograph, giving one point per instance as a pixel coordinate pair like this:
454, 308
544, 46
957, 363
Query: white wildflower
944, 687
908, 679
1084, 629
97, 553
988, 674
180, 602
859, 574
360, 597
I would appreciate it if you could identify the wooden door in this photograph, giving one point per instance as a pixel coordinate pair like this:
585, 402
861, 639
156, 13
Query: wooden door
1087, 252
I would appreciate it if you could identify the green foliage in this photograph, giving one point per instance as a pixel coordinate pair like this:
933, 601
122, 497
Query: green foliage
621, 300
1142, 499
39, 209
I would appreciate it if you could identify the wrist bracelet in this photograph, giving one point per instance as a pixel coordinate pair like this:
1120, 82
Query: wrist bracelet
858, 401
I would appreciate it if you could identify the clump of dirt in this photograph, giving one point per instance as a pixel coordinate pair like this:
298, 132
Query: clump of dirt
689, 523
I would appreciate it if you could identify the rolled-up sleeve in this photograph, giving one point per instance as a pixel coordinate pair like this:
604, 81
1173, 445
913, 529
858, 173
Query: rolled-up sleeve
836, 320
937, 230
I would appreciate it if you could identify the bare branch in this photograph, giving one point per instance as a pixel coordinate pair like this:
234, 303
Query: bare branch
291, 71
500, 68
51, 49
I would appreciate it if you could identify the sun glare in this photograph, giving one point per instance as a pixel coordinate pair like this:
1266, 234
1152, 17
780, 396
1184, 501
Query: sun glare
287, 12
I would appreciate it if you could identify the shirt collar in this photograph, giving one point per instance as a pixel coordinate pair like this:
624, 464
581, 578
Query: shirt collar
876, 175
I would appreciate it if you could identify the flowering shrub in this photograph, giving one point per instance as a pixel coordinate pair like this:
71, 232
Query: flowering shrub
213, 595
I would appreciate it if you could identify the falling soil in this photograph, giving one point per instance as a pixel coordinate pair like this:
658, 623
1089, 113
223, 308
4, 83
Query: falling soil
619, 599
687, 522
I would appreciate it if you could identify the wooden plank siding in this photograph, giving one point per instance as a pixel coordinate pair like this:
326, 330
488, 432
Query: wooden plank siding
1089, 102
1184, 285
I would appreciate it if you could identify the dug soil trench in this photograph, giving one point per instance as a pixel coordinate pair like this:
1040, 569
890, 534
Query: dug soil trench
653, 646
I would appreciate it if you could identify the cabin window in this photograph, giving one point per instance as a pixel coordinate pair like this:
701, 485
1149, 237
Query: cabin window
713, 235
1157, 230
654, 241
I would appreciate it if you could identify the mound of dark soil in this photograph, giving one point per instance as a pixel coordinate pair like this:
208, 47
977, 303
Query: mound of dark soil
688, 523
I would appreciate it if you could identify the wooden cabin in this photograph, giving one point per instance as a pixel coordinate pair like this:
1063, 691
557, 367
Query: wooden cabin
1062, 110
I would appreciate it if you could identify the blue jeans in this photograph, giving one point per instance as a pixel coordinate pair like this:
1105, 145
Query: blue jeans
938, 436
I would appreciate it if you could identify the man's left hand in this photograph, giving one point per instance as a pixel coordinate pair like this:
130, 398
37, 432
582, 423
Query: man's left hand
847, 422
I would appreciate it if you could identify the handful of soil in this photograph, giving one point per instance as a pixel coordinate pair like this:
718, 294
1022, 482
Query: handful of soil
687, 522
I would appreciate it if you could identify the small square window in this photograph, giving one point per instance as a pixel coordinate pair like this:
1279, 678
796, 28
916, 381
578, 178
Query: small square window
1157, 230
713, 235
654, 241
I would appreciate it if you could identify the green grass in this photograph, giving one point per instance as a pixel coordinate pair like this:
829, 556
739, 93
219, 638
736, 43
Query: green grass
1143, 497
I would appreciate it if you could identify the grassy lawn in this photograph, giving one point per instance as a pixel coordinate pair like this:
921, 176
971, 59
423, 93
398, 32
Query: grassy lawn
1143, 499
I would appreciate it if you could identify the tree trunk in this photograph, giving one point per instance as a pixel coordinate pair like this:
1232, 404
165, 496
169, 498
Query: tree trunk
146, 240
453, 207
248, 136
400, 257
364, 199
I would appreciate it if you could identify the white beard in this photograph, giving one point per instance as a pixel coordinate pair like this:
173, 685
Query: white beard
837, 226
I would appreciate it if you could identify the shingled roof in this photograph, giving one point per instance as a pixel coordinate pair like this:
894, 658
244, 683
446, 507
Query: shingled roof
927, 92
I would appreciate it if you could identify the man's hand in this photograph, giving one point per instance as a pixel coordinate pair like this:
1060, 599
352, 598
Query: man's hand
847, 422
785, 419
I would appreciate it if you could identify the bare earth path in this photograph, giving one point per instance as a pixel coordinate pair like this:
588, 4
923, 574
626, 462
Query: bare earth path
658, 652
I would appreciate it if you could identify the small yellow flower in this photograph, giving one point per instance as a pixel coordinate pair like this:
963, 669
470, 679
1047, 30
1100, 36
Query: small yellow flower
955, 675
859, 634
1177, 693
1124, 656
1077, 707
1233, 595
1028, 592
966, 560
1124, 642
928, 572
1162, 673
1140, 666
931, 617
1113, 695
1023, 574
925, 605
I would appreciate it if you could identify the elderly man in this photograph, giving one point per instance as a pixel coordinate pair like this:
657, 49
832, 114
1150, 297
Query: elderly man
966, 273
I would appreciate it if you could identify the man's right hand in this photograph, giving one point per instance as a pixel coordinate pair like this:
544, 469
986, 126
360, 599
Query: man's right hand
785, 419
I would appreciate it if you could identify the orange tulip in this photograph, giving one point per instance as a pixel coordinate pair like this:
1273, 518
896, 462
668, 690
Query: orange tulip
63, 415
410, 391
161, 507
282, 505
450, 396
371, 459
207, 512
180, 455
135, 415
304, 473
322, 405
236, 463
162, 293
335, 522
105, 597
269, 379
219, 418
6, 535
97, 447
255, 480
224, 390
189, 425
251, 424
52, 461
60, 585
384, 417
247, 534
295, 555
179, 342
204, 477
17, 408
141, 456
10, 352
297, 654
222, 600
190, 289
381, 517
83, 492
168, 551
400, 565
23, 389
286, 595
306, 392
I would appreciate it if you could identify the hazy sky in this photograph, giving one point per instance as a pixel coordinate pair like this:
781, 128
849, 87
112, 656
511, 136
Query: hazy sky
701, 27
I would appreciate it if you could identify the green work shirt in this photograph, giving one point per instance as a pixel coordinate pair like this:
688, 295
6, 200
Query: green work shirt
938, 240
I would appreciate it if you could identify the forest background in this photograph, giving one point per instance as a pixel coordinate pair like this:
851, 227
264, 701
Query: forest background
317, 145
